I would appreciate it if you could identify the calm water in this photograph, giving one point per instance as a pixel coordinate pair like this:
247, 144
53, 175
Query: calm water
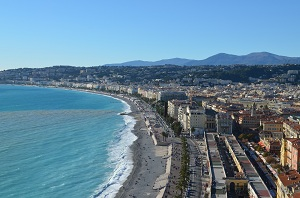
62, 143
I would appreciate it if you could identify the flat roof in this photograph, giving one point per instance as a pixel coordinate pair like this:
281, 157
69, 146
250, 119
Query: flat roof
216, 166
254, 179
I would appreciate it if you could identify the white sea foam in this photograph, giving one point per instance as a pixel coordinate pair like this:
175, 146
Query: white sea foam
120, 158
57, 186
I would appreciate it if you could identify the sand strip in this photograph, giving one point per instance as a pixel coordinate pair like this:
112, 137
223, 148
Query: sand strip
148, 163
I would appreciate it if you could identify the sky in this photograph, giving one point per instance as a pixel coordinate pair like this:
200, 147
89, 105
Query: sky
43, 33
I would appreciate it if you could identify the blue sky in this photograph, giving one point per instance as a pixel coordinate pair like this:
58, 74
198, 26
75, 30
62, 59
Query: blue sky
41, 33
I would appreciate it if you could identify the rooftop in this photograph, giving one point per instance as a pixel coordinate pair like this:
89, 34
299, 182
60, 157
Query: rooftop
254, 179
216, 166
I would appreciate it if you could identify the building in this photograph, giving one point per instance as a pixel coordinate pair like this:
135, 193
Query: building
288, 184
192, 117
170, 95
210, 120
224, 123
291, 129
173, 106
290, 153
271, 136
272, 126
132, 90
196, 117
256, 186
182, 115
274, 147
249, 119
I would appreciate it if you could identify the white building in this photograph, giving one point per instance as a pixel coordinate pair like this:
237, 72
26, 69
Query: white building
173, 106
192, 117
132, 90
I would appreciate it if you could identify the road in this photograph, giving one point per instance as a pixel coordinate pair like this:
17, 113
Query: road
195, 184
149, 110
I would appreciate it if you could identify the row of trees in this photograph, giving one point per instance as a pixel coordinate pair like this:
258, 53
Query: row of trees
184, 175
175, 125
177, 128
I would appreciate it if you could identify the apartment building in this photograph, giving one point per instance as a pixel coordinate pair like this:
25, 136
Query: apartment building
170, 95
271, 136
192, 117
290, 153
249, 118
288, 184
291, 129
272, 126
210, 120
246, 120
173, 107
224, 123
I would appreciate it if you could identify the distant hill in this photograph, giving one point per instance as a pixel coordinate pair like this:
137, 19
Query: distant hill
172, 61
256, 58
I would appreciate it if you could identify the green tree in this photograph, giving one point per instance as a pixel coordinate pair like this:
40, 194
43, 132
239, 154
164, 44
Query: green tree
176, 126
265, 154
165, 136
193, 129
270, 159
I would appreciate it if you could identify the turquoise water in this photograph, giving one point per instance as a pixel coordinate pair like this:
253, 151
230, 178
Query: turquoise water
62, 143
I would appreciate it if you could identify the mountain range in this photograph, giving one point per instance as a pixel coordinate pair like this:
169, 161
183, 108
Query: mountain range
256, 58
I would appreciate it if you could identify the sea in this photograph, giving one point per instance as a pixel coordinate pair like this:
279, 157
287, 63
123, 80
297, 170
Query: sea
62, 143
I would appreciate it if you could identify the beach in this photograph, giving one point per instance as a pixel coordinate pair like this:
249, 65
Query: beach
149, 161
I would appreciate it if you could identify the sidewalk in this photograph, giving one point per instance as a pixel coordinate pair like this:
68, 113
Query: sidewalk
203, 156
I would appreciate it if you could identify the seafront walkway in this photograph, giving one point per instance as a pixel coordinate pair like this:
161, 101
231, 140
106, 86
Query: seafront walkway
171, 190
162, 181
165, 184
153, 122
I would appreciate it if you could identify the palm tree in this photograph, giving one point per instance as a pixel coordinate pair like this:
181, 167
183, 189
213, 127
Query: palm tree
165, 135
193, 129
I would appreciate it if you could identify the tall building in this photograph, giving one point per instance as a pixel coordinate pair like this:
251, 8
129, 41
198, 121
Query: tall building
192, 117
173, 106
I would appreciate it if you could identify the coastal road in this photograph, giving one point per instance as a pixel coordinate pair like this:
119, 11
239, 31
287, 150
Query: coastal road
149, 110
164, 125
195, 184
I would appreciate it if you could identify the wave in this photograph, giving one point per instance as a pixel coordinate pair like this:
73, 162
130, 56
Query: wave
120, 158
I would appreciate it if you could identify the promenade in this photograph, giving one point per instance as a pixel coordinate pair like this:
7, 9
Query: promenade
156, 168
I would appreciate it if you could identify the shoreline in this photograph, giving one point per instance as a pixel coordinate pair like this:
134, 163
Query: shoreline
149, 161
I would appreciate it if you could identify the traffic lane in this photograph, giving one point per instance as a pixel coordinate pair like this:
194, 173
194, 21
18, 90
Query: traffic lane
195, 170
